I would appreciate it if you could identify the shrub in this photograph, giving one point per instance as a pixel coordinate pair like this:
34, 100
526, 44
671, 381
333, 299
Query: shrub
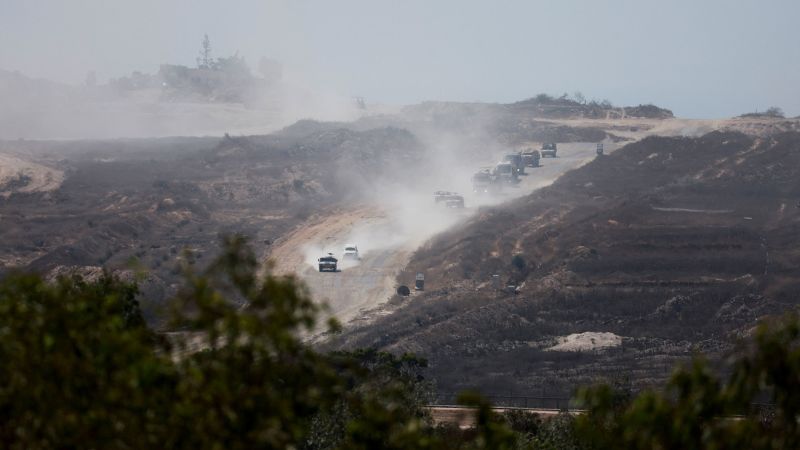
691, 411
80, 369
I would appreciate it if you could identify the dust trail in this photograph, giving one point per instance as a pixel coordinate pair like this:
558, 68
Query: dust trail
390, 226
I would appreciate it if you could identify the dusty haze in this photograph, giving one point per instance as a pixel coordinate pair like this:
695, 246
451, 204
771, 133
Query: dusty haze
700, 60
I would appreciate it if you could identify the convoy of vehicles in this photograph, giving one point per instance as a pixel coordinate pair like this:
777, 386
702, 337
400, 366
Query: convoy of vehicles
491, 179
485, 180
329, 263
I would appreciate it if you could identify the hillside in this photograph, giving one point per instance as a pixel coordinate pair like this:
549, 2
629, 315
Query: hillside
124, 204
538, 119
546, 106
640, 258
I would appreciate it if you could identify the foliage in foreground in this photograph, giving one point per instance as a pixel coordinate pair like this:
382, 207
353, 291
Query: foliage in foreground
80, 369
757, 406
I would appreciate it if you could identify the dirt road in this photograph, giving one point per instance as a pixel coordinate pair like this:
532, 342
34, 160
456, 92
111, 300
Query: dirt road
464, 417
388, 233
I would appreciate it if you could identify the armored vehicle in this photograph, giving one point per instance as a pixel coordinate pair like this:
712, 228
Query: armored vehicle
484, 181
515, 159
505, 173
531, 158
327, 263
549, 149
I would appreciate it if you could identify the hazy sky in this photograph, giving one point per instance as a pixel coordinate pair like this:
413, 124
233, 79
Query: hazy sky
699, 58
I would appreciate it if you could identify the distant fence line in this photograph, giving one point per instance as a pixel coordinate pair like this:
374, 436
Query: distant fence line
559, 403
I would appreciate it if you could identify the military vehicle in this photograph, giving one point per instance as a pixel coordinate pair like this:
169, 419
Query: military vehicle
450, 199
327, 263
350, 252
484, 181
515, 159
505, 173
456, 202
442, 196
531, 158
599, 148
549, 149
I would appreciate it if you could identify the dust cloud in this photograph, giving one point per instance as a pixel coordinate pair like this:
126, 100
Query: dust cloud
406, 215
149, 105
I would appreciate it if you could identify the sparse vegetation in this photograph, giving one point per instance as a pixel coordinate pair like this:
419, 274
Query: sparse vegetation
772, 112
755, 406
577, 105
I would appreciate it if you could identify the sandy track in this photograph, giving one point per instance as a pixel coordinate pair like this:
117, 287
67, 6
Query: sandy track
357, 284
289, 252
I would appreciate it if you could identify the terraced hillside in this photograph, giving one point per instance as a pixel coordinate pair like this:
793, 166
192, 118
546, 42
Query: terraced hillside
674, 245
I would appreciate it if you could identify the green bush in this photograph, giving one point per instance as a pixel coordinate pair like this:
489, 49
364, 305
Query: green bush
701, 409
80, 369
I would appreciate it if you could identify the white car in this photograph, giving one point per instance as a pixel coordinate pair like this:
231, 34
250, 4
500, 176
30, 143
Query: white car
350, 252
